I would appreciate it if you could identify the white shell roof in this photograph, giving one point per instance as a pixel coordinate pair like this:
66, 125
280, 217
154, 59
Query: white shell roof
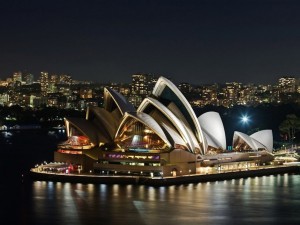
185, 133
210, 141
160, 85
121, 102
148, 121
108, 122
212, 125
265, 137
87, 128
175, 136
252, 142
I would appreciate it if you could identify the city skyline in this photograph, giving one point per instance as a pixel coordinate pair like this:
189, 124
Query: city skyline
64, 92
26, 77
197, 42
127, 78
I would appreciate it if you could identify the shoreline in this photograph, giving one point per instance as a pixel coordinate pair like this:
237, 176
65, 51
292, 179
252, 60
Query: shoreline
163, 181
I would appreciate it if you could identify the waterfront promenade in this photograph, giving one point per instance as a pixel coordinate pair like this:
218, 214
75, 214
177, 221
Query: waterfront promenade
164, 180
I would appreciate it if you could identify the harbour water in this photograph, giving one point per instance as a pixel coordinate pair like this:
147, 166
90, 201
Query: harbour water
260, 200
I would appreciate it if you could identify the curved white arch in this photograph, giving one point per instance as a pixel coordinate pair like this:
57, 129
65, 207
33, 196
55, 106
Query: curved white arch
88, 129
253, 144
187, 110
210, 142
185, 133
121, 102
175, 136
146, 120
106, 121
213, 128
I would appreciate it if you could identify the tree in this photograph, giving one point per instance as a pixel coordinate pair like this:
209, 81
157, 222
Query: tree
290, 126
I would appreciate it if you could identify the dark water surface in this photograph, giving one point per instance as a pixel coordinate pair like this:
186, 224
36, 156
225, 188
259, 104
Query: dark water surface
259, 200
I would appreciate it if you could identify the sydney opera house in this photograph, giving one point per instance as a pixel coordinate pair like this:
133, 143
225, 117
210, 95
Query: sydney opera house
163, 136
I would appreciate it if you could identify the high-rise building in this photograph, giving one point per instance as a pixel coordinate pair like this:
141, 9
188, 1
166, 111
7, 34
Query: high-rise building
141, 87
287, 84
246, 94
44, 80
86, 93
17, 76
4, 99
28, 78
65, 79
232, 91
54, 80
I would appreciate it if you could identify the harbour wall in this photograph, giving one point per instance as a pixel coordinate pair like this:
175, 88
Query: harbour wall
162, 181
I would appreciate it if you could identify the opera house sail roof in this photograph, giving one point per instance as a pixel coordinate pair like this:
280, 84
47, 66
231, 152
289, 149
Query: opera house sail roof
167, 93
213, 129
261, 140
164, 121
264, 137
115, 102
140, 131
181, 135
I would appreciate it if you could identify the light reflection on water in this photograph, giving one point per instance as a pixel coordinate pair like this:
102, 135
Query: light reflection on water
259, 200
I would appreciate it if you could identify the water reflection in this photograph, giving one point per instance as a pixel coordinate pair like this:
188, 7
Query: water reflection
262, 200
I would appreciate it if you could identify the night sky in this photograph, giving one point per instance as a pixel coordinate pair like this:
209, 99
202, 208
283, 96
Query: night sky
201, 41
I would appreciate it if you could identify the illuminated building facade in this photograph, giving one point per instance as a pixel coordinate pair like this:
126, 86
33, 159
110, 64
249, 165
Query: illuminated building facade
17, 77
28, 78
44, 80
141, 87
65, 79
287, 84
53, 81
162, 136
85, 93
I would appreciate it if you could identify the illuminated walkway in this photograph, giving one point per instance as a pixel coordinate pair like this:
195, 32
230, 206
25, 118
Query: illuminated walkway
165, 180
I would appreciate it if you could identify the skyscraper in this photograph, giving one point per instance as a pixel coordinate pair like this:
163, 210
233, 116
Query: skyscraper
287, 84
54, 80
44, 80
141, 87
